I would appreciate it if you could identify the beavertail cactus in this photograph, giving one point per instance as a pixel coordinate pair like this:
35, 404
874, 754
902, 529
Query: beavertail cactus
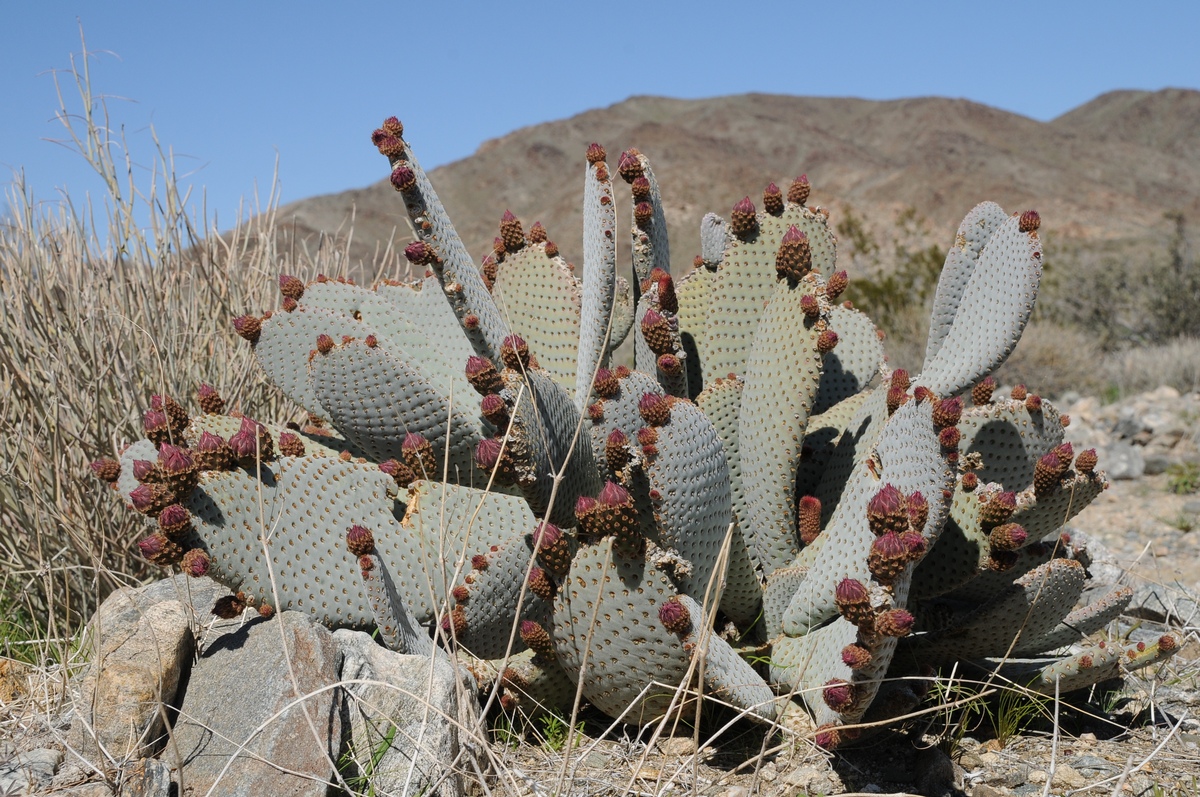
479, 473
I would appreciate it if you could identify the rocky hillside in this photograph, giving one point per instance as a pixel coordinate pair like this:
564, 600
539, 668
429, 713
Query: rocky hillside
1104, 173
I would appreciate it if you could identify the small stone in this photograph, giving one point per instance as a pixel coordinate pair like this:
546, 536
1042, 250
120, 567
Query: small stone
94, 788
1122, 460
1156, 464
1172, 603
28, 772
809, 779
984, 790
1067, 777
677, 746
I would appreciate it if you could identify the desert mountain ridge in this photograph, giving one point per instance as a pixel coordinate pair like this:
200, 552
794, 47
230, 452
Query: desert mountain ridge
1104, 172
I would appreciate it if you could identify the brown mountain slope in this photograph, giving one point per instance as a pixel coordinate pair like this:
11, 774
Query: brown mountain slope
1106, 171
1167, 120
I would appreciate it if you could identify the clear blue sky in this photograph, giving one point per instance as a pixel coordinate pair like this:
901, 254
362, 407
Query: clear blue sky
232, 85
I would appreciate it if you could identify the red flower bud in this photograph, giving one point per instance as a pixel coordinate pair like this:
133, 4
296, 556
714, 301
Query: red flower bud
675, 617
403, 178
195, 563
894, 622
291, 286
838, 695
360, 540
742, 220
248, 327
209, 400
798, 190
654, 409
107, 470
773, 200
982, 392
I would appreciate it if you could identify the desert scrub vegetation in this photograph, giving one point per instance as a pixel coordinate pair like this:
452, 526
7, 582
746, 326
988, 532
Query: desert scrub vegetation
1113, 319
102, 305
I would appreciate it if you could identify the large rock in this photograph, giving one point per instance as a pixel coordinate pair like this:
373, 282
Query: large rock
236, 689
138, 648
403, 723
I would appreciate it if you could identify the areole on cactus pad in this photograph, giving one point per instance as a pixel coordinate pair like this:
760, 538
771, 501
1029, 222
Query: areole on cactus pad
476, 472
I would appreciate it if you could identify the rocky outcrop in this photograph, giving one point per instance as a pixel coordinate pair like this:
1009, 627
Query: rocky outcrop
248, 706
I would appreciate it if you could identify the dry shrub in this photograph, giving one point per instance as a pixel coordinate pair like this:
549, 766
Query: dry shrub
100, 307
1175, 363
1052, 359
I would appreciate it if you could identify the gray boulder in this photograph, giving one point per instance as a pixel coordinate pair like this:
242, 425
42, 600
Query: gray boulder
242, 726
404, 718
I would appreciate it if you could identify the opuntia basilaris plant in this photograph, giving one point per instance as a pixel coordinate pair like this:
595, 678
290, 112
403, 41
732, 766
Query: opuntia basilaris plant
477, 473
